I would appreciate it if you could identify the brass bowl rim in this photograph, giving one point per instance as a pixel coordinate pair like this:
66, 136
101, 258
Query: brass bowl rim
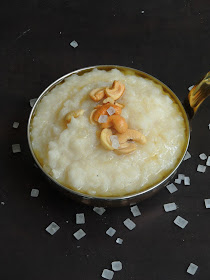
104, 198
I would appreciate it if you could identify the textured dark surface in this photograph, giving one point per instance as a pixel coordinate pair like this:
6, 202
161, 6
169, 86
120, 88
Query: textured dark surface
170, 40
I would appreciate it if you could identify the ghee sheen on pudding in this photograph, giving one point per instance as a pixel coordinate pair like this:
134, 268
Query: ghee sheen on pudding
72, 153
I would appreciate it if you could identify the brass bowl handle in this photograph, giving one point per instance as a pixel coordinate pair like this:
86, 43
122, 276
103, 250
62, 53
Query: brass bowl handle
197, 95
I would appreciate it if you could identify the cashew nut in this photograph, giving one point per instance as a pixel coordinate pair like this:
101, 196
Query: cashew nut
74, 114
97, 94
126, 148
105, 139
132, 134
102, 110
117, 122
91, 117
116, 90
109, 100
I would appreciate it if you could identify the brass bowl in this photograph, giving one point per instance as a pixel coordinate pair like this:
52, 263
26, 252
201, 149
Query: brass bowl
195, 97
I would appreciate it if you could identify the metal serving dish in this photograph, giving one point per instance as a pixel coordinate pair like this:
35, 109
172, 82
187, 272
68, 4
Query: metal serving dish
192, 102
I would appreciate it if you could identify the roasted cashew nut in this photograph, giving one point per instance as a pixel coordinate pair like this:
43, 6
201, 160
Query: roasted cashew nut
132, 134
116, 90
125, 148
102, 110
74, 114
97, 94
109, 100
117, 122
105, 139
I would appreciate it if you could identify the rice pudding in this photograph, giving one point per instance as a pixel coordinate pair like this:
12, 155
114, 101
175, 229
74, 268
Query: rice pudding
70, 147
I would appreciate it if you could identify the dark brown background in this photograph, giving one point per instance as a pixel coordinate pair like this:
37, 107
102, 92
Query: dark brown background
170, 40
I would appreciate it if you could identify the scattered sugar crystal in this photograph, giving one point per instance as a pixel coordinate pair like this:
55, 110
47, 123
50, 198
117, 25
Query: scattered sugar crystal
115, 141
171, 188
142, 12
79, 234
201, 168
135, 211
74, 44
102, 119
2, 203
177, 181
115, 144
116, 266
192, 268
208, 161
209, 126
80, 218
113, 137
207, 202
107, 274
129, 224
203, 156
187, 181
16, 148
34, 192
189, 88
15, 124
187, 155
119, 241
99, 210
111, 110
181, 222
170, 207
111, 231
32, 102
181, 176
52, 228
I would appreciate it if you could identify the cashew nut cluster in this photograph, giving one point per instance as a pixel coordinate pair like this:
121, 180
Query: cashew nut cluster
114, 126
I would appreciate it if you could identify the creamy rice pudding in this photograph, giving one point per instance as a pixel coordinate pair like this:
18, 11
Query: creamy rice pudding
74, 146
